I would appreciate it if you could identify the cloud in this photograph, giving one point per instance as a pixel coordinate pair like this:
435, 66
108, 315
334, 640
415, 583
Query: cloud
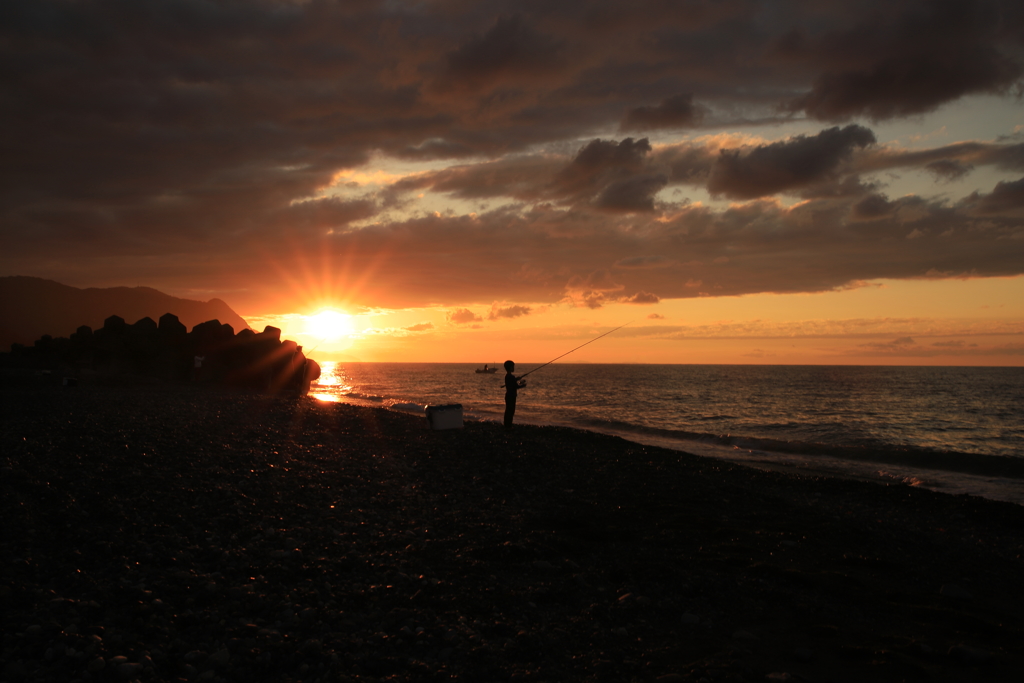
641, 298
607, 170
632, 195
877, 332
949, 169
598, 280
420, 327
1006, 196
908, 62
678, 111
656, 316
876, 206
498, 312
463, 316
786, 165
900, 344
205, 147
643, 262
509, 48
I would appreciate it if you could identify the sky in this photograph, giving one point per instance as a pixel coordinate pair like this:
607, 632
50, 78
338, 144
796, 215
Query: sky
803, 182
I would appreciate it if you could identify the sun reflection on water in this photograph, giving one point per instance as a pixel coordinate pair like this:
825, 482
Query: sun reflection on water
333, 385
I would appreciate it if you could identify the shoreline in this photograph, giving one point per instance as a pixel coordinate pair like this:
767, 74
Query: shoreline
997, 479
205, 533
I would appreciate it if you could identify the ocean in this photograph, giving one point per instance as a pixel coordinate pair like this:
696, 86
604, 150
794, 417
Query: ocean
959, 430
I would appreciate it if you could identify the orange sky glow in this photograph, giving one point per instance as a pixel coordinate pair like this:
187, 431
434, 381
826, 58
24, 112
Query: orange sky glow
968, 322
781, 183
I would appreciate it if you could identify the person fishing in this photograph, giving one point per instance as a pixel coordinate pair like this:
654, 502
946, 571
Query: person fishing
512, 386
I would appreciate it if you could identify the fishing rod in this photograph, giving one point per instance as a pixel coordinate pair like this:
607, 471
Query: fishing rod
308, 353
576, 349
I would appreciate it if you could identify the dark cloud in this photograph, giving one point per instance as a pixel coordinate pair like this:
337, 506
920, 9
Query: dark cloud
949, 169
678, 111
600, 156
901, 343
510, 47
631, 195
947, 161
871, 207
876, 206
436, 149
597, 281
605, 174
687, 163
641, 298
656, 316
1006, 196
643, 262
194, 145
905, 62
498, 312
591, 291
785, 166
463, 316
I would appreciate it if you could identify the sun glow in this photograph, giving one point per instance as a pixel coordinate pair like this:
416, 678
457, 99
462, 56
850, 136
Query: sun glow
329, 325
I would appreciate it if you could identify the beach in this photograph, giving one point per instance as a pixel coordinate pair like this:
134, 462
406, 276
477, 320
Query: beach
165, 533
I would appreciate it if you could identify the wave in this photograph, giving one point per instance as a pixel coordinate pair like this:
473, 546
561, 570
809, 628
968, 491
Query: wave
365, 397
406, 407
925, 458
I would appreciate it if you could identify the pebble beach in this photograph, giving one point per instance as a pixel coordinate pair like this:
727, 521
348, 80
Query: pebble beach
181, 533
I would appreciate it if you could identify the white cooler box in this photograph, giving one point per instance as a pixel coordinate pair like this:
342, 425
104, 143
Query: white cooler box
444, 417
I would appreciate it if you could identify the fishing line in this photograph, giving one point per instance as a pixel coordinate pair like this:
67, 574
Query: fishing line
576, 349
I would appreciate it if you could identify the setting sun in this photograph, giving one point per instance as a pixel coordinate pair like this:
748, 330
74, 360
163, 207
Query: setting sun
329, 325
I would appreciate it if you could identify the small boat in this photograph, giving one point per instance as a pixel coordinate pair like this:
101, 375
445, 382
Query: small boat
486, 370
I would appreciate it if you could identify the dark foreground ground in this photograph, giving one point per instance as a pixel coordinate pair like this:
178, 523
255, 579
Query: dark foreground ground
166, 535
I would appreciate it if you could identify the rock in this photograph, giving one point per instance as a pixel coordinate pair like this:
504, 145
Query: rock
951, 590
779, 676
965, 654
804, 654
220, 657
690, 619
745, 635
669, 678
96, 665
15, 671
128, 670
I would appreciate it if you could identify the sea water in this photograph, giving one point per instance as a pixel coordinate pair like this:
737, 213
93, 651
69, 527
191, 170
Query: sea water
959, 430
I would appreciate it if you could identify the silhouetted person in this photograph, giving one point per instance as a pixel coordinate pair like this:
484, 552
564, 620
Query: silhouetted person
512, 386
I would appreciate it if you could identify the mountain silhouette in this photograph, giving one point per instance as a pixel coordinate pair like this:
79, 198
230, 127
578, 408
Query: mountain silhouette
31, 307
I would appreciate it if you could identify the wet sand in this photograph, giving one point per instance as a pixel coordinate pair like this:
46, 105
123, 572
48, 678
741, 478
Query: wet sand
178, 534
